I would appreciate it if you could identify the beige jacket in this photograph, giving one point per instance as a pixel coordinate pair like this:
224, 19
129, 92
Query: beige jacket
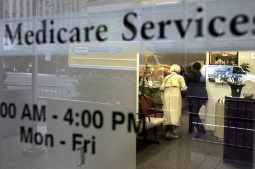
174, 80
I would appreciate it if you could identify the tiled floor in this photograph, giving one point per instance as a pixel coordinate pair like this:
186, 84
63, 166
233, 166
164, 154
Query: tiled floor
183, 153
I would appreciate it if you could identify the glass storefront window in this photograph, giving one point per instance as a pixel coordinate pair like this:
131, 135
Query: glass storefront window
158, 84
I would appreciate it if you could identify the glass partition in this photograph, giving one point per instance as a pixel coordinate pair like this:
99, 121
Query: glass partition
146, 84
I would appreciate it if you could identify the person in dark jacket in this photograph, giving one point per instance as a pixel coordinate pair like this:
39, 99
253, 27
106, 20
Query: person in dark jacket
197, 97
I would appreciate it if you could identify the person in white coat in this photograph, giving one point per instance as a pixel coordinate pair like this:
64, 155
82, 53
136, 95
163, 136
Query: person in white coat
171, 89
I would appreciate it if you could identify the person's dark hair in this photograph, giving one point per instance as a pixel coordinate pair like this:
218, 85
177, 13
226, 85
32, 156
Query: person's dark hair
196, 66
182, 71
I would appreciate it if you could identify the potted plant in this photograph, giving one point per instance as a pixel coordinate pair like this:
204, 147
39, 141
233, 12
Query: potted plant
236, 84
245, 67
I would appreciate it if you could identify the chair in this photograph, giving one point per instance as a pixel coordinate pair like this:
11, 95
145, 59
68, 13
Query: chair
150, 117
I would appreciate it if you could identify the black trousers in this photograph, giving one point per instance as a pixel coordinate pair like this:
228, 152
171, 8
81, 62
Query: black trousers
194, 120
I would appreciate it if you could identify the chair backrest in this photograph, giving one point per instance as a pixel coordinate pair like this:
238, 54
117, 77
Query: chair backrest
145, 103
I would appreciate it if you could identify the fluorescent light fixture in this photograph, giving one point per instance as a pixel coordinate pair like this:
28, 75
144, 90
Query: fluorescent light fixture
86, 50
80, 50
166, 2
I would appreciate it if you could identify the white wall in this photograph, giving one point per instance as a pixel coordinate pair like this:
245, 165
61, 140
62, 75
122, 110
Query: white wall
248, 57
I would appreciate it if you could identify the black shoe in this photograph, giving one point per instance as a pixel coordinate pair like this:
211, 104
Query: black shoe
170, 136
